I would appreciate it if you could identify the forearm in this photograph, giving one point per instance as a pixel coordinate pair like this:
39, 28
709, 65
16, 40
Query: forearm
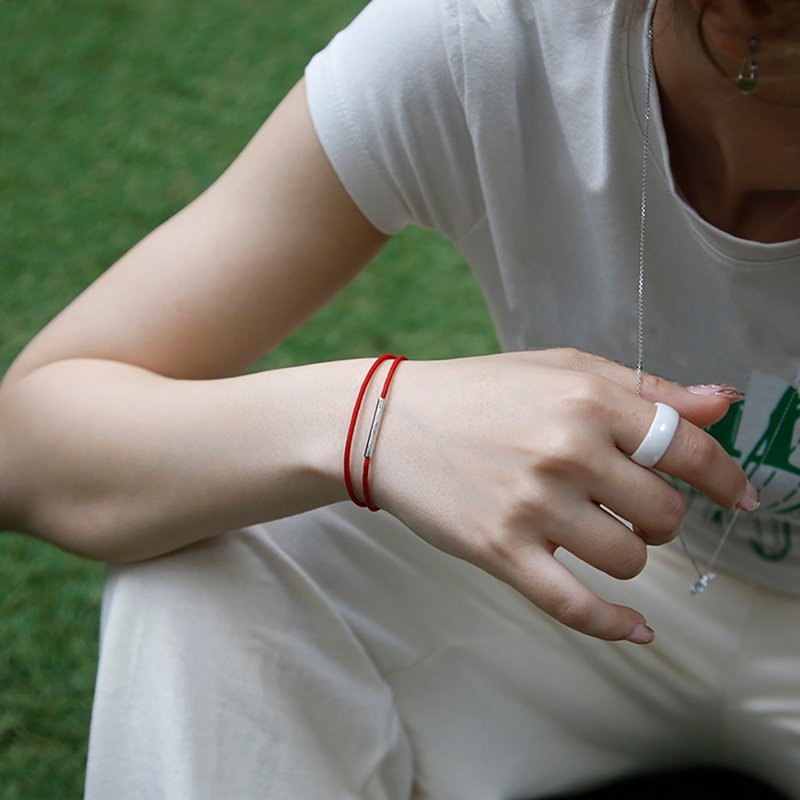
118, 463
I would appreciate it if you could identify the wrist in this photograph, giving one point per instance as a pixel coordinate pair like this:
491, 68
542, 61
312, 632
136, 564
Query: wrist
329, 391
358, 421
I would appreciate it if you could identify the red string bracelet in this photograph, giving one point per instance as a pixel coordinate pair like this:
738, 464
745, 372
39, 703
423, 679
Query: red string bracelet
373, 433
348, 445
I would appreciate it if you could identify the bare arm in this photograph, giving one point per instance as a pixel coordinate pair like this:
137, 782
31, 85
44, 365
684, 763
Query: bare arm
123, 434
118, 463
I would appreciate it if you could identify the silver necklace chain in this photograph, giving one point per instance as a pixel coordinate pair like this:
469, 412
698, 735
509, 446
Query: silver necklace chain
643, 213
704, 576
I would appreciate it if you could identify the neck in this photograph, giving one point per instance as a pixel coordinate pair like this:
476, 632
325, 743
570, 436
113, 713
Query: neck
734, 157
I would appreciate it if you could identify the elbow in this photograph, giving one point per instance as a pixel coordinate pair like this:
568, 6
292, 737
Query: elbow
79, 529
48, 489
91, 534
110, 530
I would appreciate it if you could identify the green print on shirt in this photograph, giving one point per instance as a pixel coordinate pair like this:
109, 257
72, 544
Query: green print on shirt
771, 463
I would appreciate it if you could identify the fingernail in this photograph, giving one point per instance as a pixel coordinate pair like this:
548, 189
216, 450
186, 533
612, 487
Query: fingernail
750, 500
730, 393
641, 634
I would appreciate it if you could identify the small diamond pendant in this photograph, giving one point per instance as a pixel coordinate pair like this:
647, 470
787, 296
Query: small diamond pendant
701, 584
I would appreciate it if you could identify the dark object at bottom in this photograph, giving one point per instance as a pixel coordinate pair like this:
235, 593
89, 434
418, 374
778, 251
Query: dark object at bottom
689, 784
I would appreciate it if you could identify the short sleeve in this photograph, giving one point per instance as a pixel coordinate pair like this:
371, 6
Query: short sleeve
384, 100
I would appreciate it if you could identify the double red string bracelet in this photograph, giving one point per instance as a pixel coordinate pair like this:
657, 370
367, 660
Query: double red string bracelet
373, 430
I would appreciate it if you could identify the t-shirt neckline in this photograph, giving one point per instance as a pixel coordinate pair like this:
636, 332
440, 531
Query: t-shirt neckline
726, 245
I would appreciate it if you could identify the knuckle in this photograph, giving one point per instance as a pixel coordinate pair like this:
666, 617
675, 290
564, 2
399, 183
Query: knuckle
580, 360
654, 383
588, 393
560, 456
570, 611
582, 406
494, 548
498, 547
674, 514
658, 387
569, 357
521, 497
631, 560
667, 524
699, 454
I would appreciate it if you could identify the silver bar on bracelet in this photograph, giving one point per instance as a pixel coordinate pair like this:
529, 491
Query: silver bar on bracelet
373, 431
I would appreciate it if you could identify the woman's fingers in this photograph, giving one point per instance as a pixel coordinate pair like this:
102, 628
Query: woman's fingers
703, 405
599, 538
548, 584
694, 457
644, 499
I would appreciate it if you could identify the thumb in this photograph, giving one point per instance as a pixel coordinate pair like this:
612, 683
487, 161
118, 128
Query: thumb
702, 404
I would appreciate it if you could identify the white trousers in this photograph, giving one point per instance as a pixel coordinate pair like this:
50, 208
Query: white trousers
336, 655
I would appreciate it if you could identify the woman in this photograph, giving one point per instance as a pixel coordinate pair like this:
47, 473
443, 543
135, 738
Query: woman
574, 152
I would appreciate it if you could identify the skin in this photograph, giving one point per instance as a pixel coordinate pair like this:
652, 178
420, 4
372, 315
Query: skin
735, 157
127, 431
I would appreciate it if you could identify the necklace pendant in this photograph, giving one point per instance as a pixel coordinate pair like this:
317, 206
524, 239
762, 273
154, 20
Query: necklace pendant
701, 584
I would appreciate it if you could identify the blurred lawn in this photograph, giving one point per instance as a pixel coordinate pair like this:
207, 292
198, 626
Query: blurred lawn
116, 114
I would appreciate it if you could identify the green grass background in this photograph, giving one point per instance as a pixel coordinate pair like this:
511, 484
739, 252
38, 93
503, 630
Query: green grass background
115, 114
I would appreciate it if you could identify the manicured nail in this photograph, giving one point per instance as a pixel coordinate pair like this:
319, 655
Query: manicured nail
641, 634
730, 393
750, 500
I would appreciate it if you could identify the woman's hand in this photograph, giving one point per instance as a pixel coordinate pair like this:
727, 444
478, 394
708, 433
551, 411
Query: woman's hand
501, 460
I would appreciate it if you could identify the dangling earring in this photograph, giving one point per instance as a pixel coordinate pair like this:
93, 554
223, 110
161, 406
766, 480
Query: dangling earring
748, 74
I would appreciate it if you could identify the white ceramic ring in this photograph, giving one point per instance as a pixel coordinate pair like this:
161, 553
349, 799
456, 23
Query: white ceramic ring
658, 438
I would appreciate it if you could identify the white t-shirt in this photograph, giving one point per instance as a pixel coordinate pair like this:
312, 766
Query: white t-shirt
515, 128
